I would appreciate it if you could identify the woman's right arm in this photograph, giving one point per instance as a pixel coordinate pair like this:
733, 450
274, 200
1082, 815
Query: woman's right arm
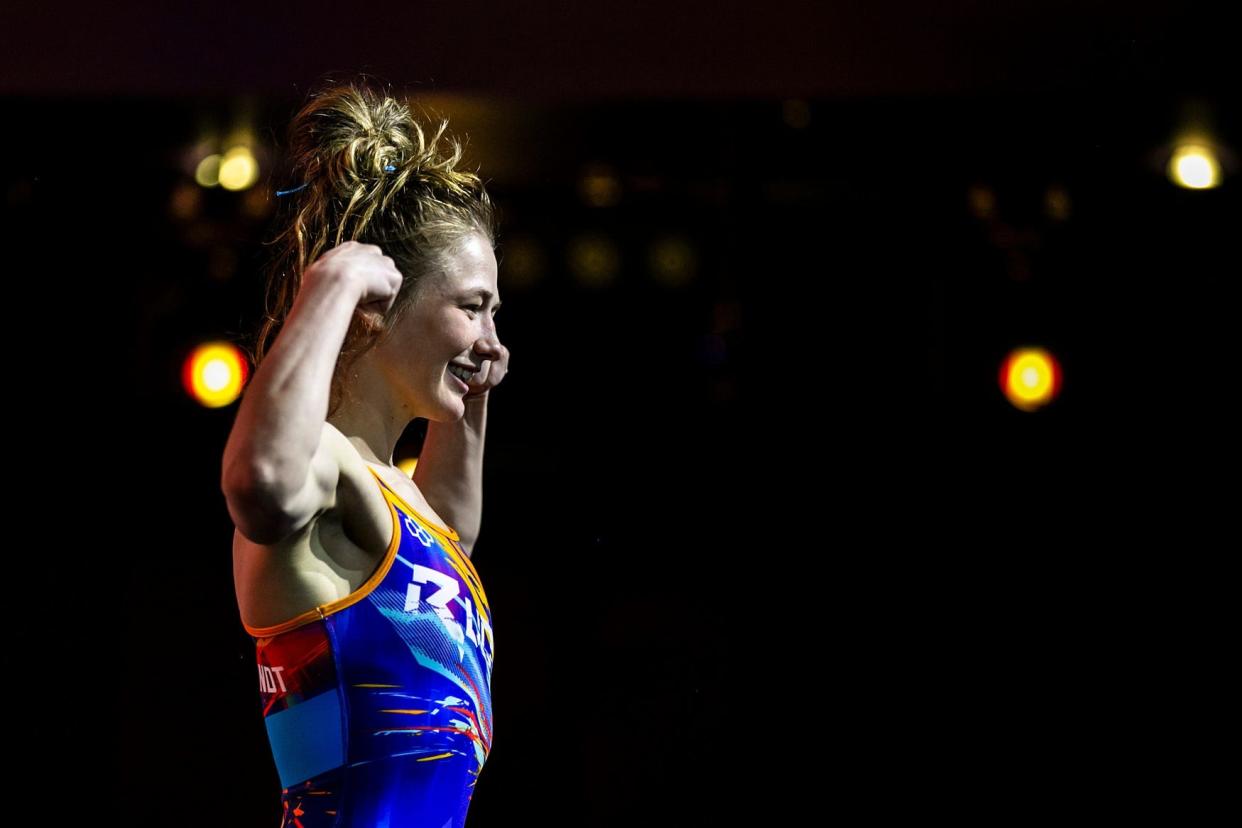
274, 473
282, 460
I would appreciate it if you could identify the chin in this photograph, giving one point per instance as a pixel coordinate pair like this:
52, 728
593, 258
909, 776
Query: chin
450, 416
452, 411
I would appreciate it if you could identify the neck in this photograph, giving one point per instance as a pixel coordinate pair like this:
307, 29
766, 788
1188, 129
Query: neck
372, 419
373, 434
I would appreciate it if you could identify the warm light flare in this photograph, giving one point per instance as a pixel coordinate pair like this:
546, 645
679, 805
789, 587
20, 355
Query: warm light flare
238, 169
1030, 378
1194, 166
215, 373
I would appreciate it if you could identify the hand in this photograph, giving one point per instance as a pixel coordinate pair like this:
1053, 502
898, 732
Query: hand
488, 377
374, 276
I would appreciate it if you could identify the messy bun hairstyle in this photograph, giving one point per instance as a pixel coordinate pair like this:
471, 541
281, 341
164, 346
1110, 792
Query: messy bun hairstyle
339, 145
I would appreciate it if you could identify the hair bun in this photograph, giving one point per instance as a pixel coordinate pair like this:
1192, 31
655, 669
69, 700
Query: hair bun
370, 172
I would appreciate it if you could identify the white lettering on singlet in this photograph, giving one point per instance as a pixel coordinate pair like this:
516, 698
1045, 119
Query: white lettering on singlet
477, 630
269, 676
449, 587
421, 534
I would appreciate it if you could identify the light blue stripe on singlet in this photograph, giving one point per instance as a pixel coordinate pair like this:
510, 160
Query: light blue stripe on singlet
306, 738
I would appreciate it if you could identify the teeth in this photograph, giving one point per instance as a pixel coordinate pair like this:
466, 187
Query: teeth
460, 373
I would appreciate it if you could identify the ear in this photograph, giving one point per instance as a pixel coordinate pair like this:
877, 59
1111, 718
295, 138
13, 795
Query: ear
371, 318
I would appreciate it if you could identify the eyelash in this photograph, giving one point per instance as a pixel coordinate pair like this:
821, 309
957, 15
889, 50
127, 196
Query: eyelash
477, 308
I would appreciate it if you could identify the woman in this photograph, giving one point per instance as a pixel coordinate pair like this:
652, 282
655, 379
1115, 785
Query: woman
372, 630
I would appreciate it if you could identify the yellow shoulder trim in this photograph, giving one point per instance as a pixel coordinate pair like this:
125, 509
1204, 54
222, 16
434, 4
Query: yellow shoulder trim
446, 531
324, 610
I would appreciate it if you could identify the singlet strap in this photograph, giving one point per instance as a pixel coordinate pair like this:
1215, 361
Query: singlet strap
446, 531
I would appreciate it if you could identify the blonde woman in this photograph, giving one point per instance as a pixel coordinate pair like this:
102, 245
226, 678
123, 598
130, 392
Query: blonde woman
373, 633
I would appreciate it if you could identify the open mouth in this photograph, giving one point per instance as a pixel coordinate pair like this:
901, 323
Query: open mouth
458, 375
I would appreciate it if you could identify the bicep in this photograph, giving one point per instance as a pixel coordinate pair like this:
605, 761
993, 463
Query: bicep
318, 492
266, 515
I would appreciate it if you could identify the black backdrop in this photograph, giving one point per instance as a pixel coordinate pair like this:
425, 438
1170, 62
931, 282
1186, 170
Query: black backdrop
813, 562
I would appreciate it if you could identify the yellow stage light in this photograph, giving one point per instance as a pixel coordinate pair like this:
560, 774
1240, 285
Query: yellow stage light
1030, 378
215, 373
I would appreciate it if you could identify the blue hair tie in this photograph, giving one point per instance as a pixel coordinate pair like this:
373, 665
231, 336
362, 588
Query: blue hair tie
389, 168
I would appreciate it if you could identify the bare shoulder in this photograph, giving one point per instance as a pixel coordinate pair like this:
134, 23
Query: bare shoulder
341, 504
327, 558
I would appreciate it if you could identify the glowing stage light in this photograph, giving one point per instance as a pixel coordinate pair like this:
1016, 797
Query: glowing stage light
594, 260
525, 263
1194, 166
982, 201
1057, 203
672, 261
215, 373
600, 186
238, 169
1030, 378
207, 173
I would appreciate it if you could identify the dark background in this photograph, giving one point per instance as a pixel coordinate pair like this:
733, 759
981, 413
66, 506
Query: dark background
775, 544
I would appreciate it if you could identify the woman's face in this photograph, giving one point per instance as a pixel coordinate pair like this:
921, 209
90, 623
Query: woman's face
450, 322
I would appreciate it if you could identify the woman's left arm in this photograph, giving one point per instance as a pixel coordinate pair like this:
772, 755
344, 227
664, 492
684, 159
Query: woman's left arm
449, 471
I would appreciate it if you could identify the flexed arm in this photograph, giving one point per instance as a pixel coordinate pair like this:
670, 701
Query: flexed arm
449, 472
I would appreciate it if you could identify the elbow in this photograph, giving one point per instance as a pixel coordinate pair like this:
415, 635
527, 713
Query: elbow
257, 513
239, 476
252, 479
247, 471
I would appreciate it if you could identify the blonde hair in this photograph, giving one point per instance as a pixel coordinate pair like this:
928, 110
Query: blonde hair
339, 145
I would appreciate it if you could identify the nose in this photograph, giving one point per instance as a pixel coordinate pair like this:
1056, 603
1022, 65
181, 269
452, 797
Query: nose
488, 345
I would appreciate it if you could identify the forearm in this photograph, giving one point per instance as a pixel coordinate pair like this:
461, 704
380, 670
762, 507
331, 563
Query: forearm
449, 472
282, 413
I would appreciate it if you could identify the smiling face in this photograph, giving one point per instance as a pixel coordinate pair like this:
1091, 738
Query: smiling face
451, 321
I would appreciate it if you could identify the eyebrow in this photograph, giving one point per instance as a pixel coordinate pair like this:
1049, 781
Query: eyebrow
486, 294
